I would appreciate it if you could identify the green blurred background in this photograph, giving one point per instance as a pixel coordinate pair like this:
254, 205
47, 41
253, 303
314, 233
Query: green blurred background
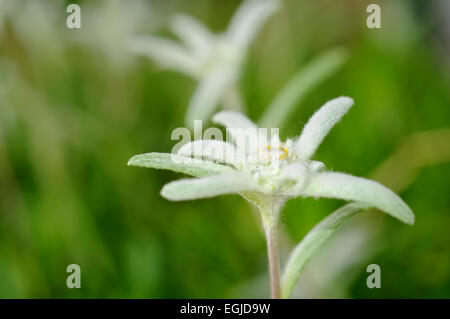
75, 105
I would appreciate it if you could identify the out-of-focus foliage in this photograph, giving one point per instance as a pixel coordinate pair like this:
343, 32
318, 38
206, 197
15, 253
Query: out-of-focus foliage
75, 105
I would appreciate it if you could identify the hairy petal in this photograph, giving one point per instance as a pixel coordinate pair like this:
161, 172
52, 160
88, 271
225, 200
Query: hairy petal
297, 173
195, 188
179, 164
213, 150
242, 130
348, 187
247, 21
320, 124
166, 53
233, 119
316, 166
312, 242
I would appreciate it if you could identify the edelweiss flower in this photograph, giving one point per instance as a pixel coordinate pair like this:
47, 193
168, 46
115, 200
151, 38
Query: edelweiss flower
213, 59
267, 173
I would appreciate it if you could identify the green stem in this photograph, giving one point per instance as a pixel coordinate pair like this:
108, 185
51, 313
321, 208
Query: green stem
270, 208
272, 252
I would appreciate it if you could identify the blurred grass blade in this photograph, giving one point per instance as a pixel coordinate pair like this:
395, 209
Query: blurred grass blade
179, 164
313, 241
305, 80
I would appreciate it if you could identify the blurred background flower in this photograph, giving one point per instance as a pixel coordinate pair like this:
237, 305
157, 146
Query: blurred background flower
74, 108
215, 60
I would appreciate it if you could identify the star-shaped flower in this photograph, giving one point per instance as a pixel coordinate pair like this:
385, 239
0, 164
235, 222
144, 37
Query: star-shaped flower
214, 60
268, 173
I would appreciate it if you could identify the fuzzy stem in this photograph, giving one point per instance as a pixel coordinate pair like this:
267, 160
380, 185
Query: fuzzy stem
271, 229
272, 252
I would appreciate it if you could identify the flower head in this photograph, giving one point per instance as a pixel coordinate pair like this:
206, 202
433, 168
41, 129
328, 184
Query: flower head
266, 171
213, 59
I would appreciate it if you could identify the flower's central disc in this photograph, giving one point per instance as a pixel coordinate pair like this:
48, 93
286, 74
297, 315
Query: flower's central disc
271, 154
